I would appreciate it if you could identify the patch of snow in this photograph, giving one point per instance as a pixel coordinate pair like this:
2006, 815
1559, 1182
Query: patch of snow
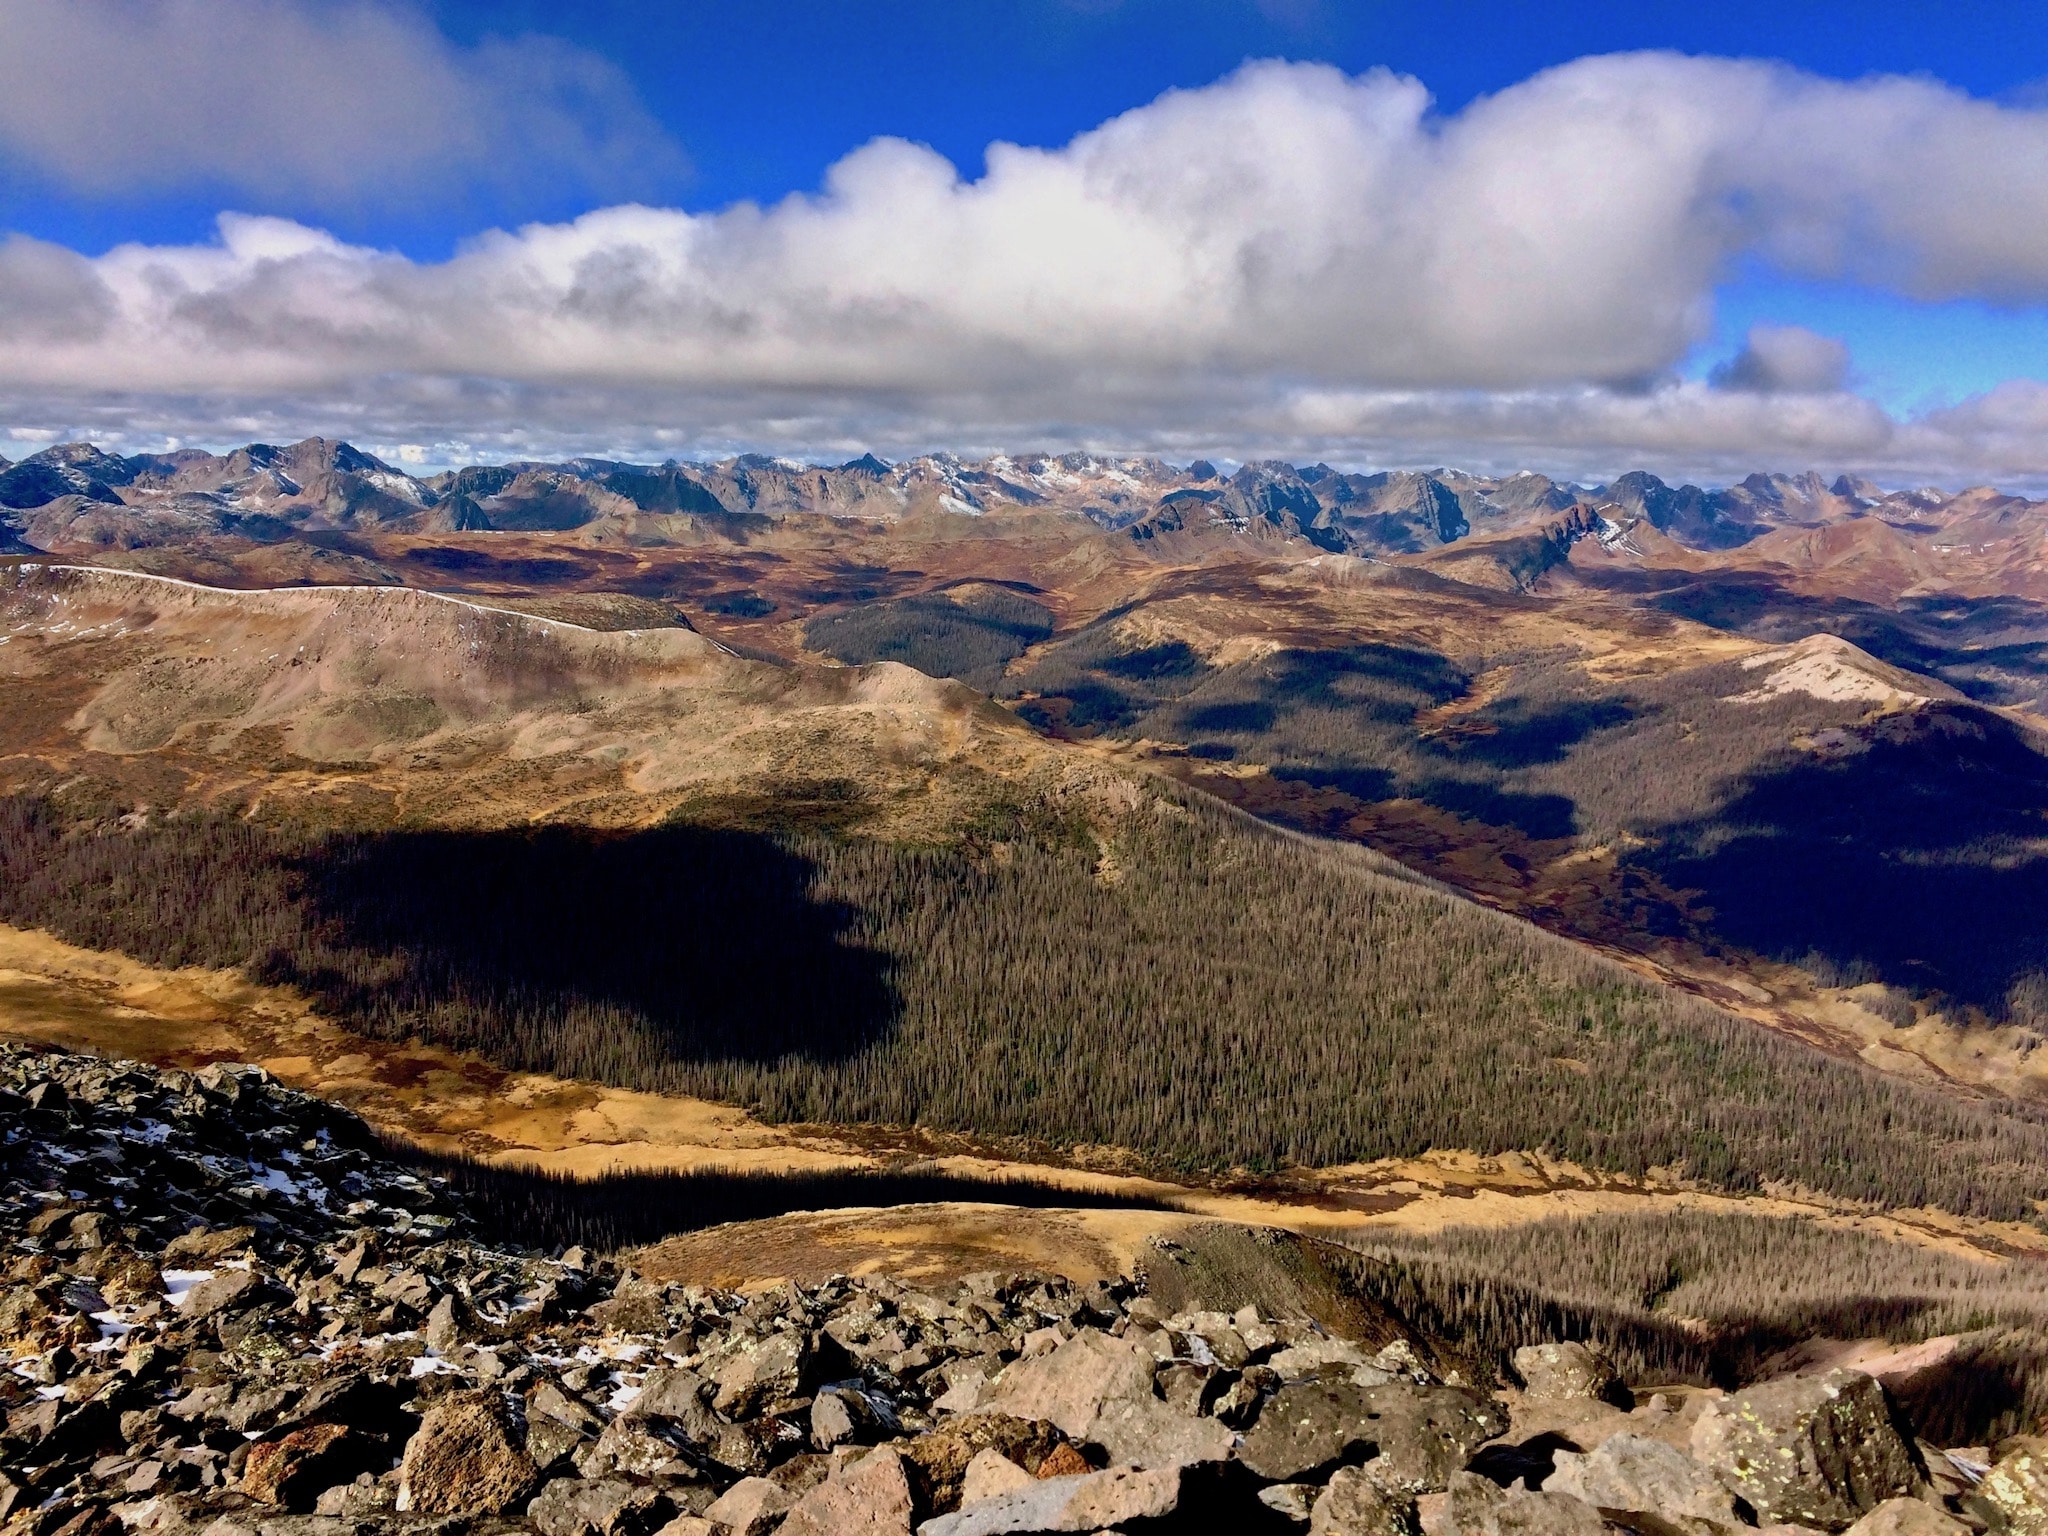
178, 1283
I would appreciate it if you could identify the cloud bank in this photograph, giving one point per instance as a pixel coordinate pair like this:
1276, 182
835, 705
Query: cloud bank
1289, 259
334, 103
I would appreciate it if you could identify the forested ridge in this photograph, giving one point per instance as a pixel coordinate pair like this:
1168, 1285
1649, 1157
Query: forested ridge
1714, 1297
1208, 993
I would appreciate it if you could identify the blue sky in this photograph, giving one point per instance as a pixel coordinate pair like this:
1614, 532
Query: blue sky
701, 107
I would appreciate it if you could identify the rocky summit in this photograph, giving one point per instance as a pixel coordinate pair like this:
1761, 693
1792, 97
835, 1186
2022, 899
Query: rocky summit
228, 1309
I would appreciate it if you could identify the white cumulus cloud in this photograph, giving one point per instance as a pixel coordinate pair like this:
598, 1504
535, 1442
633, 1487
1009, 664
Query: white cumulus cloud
1291, 257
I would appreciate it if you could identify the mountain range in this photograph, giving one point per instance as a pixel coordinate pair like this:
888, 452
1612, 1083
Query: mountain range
73, 496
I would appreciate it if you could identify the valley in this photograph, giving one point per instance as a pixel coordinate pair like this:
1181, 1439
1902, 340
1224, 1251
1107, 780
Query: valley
1492, 910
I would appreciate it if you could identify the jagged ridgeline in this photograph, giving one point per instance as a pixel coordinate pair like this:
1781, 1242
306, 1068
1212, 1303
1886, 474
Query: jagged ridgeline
1208, 992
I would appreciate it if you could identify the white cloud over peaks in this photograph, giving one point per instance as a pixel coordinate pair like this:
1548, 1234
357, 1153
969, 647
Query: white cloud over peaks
1289, 257
325, 103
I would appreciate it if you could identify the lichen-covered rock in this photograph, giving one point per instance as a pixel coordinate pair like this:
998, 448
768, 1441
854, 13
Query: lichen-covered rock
1425, 1434
1565, 1372
760, 1372
1412, 1436
1355, 1505
1310, 1428
468, 1457
1808, 1450
2013, 1495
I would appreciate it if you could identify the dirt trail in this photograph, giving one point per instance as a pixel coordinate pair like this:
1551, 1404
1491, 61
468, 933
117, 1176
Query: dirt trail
450, 1101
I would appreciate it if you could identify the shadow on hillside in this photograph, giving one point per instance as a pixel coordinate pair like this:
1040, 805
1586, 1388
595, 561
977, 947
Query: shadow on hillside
1914, 861
534, 1208
704, 944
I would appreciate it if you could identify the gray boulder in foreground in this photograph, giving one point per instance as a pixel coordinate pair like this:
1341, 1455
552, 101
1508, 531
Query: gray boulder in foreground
1821, 1451
1634, 1474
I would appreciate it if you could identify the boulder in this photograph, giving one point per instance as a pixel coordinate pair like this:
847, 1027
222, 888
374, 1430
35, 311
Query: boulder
293, 1470
2013, 1495
1093, 1501
641, 1447
991, 1474
634, 1307
750, 1507
468, 1457
1476, 1507
1070, 1385
1635, 1474
869, 1498
551, 1444
199, 1248
1337, 1358
1414, 1437
549, 1400
1808, 1450
1908, 1517
447, 1324
1189, 1388
1309, 1428
1149, 1433
1099, 1388
1565, 1372
937, 1462
759, 1373
227, 1291
1427, 1433
1354, 1505
670, 1392
612, 1506
846, 1412
756, 1446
